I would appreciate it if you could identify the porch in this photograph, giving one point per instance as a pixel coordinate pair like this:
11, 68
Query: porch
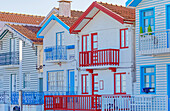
154, 43
107, 103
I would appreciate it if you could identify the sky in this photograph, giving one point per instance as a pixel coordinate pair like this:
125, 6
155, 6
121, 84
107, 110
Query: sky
43, 7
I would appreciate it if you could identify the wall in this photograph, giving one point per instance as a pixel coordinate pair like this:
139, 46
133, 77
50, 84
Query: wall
160, 61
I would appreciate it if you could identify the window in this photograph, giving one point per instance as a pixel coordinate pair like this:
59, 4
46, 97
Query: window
59, 37
26, 80
147, 18
123, 38
148, 78
1, 45
84, 83
86, 43
120, 83
55, 81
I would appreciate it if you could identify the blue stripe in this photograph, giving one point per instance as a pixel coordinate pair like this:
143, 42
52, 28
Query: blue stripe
53, 17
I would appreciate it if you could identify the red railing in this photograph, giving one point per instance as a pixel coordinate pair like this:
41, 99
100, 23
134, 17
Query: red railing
99, 57
73, 102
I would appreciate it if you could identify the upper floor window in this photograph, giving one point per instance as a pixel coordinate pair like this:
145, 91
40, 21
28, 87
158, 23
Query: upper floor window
123, 38
147, 19
86, 43
120, 83
59, 38
26, 80
1, 45
148, 78
84, 83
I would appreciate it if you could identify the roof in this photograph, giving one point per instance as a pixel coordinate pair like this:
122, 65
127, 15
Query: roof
133, 3
119, 13
67, 20
29, 32
126, 13
21, 18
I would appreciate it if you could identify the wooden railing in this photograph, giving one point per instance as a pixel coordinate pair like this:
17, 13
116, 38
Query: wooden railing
99, 57
73, 102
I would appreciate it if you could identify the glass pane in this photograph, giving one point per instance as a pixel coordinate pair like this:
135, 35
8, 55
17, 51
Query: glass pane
95, 45
146, 78
84, 43
146, 29
117, 83
146, 22
123, 83
153, 85
152, 27
153, 78
94, 37
122, 38
127, 38
88, 43
152, 21
58, 39
149, 70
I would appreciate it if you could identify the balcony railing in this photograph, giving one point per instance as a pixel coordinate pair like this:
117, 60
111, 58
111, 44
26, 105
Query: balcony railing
56, 53
99, 58
10, 58
154, 43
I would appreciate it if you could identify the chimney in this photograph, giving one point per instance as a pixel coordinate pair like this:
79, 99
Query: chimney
65, 8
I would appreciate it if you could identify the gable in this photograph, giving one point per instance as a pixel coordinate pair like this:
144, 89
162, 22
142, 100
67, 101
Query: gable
133, 3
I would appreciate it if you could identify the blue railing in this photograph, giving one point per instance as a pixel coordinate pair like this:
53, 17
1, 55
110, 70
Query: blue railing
56, 53
28, 98
10, 58
36, 98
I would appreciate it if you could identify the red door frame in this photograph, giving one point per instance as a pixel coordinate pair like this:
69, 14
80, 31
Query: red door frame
93, 83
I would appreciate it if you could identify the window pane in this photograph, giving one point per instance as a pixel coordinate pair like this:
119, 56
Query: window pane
146, 22
123, 83
153, 78
88, 43
122, 38
117, 83
149, 70
152, 21
94, 37
84, 43
146, 78
127, 38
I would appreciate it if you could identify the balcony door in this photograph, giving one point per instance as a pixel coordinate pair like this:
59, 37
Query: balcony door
94, 48
59, 43
12, 51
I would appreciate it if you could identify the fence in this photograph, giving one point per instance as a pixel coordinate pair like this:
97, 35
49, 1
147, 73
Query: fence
135, 103
4, 97
73, 102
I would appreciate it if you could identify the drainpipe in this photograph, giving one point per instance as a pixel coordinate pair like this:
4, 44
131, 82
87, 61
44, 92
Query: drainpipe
20, 74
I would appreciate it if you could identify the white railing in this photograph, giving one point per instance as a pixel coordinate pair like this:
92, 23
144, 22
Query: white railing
134, 103
154, 40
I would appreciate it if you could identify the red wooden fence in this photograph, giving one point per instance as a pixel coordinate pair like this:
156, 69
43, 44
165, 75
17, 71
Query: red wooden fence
73, 102
99, 57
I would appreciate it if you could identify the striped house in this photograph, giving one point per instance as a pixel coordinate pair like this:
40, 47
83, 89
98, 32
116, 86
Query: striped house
60, 56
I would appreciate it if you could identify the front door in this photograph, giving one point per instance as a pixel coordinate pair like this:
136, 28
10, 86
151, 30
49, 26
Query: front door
71, 82
13, 82
94, 84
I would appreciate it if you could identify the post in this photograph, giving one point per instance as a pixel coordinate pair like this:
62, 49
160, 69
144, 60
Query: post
20, 100
20, 74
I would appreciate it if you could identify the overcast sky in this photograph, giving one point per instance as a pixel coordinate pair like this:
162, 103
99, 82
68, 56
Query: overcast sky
42, 7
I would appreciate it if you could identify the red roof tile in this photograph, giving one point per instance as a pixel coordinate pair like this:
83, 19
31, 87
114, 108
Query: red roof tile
29, 32
21, 18
126, 13
67, 20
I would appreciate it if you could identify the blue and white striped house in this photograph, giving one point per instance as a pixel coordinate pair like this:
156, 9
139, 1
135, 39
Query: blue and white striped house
152, 46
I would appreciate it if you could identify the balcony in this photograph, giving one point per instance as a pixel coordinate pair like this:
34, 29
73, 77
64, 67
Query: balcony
56, 53
154, 43
105, 57
10, 58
